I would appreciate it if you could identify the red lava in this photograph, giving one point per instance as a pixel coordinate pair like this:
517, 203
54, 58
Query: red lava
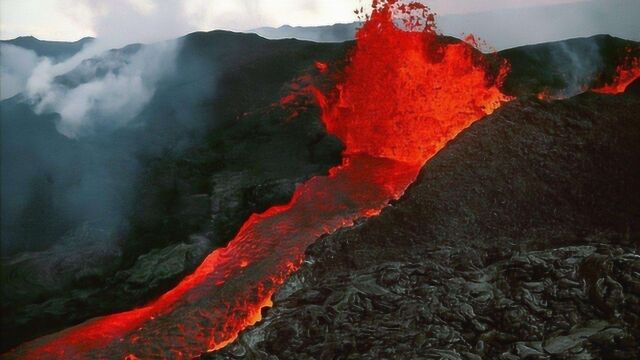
625, 75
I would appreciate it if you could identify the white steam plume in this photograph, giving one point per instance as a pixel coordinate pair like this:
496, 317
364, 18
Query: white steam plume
16, 66
102, 102
112, 100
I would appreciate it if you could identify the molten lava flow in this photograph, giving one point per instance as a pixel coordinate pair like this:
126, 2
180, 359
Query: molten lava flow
404, 94
625, 75
210, 307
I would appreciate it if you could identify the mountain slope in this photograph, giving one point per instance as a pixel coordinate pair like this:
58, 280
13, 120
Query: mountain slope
566, 68
508, 27
518, 240
328, 33
56, 50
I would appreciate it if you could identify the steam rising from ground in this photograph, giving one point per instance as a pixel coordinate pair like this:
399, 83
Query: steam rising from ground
579, 70
17, 65
119, 85
53, 185
122, 22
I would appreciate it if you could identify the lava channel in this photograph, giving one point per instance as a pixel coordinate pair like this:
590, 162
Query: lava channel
404, 94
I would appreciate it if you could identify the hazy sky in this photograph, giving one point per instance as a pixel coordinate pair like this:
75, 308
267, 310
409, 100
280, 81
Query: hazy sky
148, 20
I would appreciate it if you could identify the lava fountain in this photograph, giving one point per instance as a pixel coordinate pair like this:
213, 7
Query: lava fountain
404, 94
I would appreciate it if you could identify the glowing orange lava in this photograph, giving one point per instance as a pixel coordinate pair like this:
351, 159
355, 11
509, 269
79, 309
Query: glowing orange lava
625, 75
404, 94
545, 95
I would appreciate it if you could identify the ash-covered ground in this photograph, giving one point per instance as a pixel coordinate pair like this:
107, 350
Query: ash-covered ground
519, 240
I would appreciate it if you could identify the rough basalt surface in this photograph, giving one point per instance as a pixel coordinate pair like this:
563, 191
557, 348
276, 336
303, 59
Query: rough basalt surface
519, 240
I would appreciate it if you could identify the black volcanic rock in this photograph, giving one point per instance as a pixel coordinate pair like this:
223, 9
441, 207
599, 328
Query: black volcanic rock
518, 240
634, 88
506, 27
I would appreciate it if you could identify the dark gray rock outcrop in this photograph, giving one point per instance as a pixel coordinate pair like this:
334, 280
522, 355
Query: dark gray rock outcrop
519, 240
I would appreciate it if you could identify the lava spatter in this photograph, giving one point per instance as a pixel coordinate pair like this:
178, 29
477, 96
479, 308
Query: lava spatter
404, 94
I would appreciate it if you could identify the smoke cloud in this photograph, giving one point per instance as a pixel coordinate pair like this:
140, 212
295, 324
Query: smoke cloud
117, 85
72, 144
16, 66
122, 22
100, 93
579, 68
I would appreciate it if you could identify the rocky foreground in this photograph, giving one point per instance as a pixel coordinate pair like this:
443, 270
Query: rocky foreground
519, 240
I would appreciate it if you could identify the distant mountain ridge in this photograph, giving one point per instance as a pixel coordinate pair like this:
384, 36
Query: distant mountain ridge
57, 50
501, 29
326, 33
506, 28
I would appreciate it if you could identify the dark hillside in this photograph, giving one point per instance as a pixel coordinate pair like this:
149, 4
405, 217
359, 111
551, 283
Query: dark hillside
566, 68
